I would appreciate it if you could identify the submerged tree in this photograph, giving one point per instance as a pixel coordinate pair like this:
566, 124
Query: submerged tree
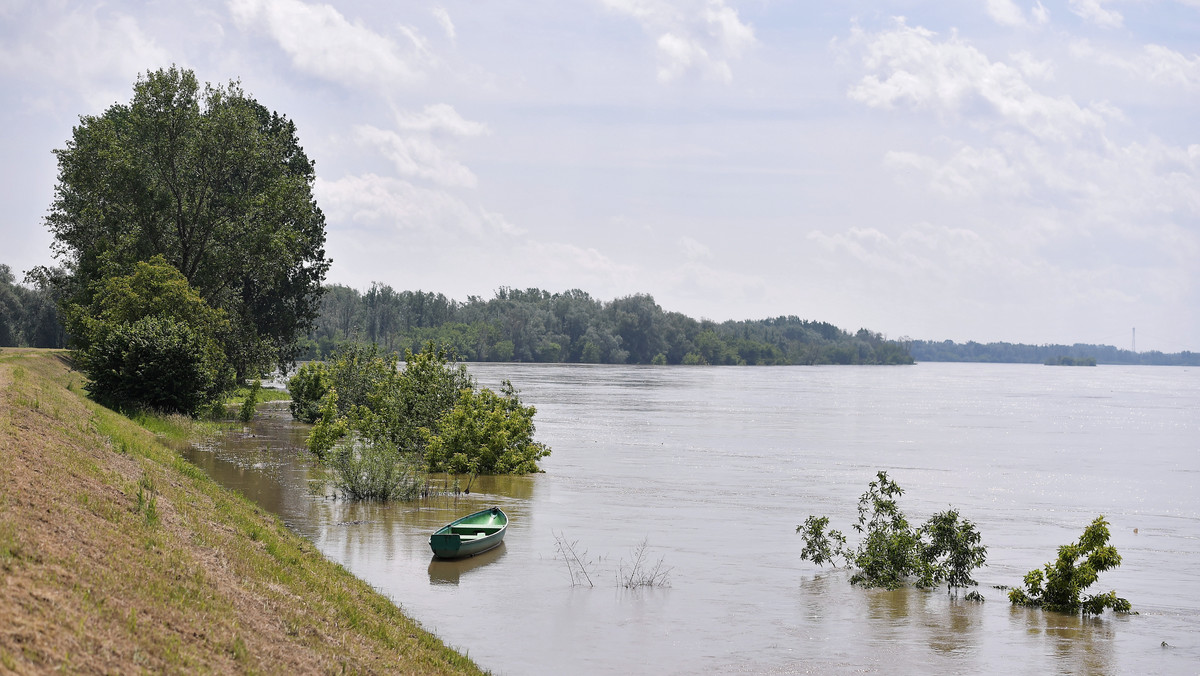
372, 417
953, 549
485, 433
891, 551
1062, 583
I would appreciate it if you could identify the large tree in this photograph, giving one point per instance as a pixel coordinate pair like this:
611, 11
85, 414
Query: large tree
216, 184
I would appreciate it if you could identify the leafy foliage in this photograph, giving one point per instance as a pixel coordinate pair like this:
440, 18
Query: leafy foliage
149, 340
890, 549
217, 185
374, 470
533, 325
891, 552
329, 428
246, 414
1018, 353
485, 433
412, 402
155, 362
953, 550
428, 414
28, 313
821, 547
1061, 585
307, 388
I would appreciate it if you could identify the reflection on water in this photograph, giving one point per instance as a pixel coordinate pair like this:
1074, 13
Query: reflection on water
449, 571
714, 467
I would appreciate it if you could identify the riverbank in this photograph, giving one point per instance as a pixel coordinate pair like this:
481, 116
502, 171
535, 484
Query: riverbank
118, 556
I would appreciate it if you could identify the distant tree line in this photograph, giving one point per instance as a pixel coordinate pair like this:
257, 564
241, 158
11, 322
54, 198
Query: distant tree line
1016, 353
28, 313
533, 325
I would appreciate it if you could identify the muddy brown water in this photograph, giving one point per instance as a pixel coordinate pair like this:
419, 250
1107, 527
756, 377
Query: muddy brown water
713, 468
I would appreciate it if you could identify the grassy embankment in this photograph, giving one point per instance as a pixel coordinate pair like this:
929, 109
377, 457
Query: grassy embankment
118, 556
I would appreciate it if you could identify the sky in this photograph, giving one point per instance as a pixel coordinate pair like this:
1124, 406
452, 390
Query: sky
989, 170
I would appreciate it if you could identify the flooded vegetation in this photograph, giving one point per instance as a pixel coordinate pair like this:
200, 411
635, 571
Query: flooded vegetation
713, 468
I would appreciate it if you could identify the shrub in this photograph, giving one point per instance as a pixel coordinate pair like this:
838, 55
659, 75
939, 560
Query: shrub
953, 550
891, 552
485, 433
1059, 588
246, 414
149, 340
429, 414
155, 362
418, 398
374, 470
307, 388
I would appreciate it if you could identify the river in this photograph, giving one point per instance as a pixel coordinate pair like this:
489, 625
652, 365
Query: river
713, 467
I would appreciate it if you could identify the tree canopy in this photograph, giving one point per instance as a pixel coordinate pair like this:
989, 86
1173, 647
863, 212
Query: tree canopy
217, 185
28, 314
533, 325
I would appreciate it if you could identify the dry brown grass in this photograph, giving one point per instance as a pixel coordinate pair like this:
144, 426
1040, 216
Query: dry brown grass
116, 556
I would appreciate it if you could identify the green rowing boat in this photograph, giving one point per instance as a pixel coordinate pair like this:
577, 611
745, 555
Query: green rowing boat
470, 535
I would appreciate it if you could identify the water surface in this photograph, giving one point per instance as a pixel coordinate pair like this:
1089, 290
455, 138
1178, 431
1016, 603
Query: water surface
714, 467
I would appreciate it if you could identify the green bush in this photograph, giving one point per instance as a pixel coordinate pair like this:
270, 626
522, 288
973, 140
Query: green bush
149, 340
891, 552
1060, 587
486, 433
429, 414
953, 550
374, 470
417, 398
246, 414
891, 549
155, 362
307, 388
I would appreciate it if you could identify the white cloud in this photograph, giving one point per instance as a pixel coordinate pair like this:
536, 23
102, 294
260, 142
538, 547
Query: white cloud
701, 35
373, 200
970, 172
1033, 194
678, 55
1005, 12
583, 266
92, 53
1031, 67
443, 19
908, 65
1154, 63
941, 252
694, 250
415, 156
1091, 10
411, 148
440, 117
1040, 13
322, 42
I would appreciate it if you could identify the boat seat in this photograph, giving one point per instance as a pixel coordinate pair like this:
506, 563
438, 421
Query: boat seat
473, 529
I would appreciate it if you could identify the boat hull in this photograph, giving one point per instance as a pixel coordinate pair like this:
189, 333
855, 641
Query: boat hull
473, 534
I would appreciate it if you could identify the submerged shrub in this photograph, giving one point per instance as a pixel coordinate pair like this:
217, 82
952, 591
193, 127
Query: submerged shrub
374, 470
953, 550
246, 414
1062, 583
307, 388
891, 552
428, 414
486, 433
